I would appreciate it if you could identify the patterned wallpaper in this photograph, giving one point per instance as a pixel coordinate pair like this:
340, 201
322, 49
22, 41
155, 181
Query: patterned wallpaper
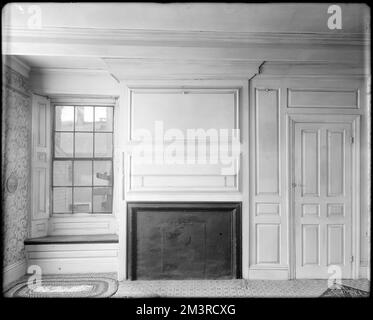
16, 160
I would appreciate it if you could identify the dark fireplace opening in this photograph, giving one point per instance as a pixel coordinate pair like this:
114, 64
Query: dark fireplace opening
194, 240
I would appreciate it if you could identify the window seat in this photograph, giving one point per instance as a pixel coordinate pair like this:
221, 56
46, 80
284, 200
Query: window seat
74, 253
74, 239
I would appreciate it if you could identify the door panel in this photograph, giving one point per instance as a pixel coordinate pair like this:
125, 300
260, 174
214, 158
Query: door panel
322, 198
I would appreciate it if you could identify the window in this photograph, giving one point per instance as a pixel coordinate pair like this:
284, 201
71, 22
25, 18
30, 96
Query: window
83, 159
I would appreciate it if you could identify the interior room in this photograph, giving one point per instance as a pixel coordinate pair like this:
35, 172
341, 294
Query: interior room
191, 149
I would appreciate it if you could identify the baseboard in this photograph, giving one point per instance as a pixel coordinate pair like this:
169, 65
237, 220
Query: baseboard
13, 272
74, 258
258, 273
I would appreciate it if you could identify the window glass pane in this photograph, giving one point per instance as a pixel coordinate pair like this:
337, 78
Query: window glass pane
83, 200
103, 144
102, 199
62, 200
83, 145
63, 144
102, 173
73, 191
82, 173
103, 119
83, 118
62, 173
64, 116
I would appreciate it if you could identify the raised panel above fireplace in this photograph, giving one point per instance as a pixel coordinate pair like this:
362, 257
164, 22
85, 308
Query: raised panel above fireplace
191, 139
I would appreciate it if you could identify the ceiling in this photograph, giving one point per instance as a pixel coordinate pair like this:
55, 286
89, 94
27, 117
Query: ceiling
126, 36
241, 17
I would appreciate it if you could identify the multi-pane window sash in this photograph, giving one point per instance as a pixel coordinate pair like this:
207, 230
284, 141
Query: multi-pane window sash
82, 159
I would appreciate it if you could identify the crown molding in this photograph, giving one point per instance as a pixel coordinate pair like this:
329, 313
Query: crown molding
178, 38
138, 69
313, 69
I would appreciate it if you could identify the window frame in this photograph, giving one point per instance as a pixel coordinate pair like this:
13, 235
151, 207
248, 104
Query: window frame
81, 103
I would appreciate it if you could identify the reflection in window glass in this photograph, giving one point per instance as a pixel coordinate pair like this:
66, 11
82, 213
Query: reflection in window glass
103, 119
62, 173
82, 179
82, 173
102, 199
103, 144
102, 173
83, 200
83, 145
64, 118
63, 144
84, 119
62, 198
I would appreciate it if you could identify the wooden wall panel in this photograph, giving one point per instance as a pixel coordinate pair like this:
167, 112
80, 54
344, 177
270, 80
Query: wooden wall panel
267, 142
323, 98
41, 147
336, 155
267, 209
335, 244
195, 165
267, 243
183, 109
310, 244
310, 163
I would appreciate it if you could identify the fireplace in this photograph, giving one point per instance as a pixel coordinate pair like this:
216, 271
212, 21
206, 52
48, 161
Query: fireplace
194, 240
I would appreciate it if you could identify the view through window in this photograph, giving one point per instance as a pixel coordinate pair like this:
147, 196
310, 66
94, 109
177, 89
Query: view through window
83, 159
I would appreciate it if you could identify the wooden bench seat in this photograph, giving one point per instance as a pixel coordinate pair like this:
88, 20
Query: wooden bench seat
74, 239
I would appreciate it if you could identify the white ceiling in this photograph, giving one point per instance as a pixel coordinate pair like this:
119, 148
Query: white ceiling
192, 16
93, 35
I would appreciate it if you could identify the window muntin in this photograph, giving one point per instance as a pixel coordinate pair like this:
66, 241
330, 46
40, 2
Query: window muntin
83, 159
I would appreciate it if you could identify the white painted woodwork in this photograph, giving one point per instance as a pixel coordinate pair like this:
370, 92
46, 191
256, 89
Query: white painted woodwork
73, 258
82, 82
195, 113
268, 243
312, 71
268, 253
307, 77
322, 98
179, 182
81, 224
41, 166
267, 142
184, 109
323, 198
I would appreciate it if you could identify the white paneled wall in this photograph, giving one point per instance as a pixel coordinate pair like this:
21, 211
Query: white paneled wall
273, 100
171, 120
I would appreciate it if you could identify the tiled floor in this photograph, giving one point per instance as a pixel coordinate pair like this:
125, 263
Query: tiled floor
229, 288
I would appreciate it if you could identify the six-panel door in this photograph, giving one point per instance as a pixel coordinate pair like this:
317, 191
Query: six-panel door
322, 199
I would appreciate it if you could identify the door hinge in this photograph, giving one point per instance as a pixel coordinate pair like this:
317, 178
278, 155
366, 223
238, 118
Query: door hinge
352, 139
352, 259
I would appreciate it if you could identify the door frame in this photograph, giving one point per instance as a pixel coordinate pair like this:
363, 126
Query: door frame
354, 120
